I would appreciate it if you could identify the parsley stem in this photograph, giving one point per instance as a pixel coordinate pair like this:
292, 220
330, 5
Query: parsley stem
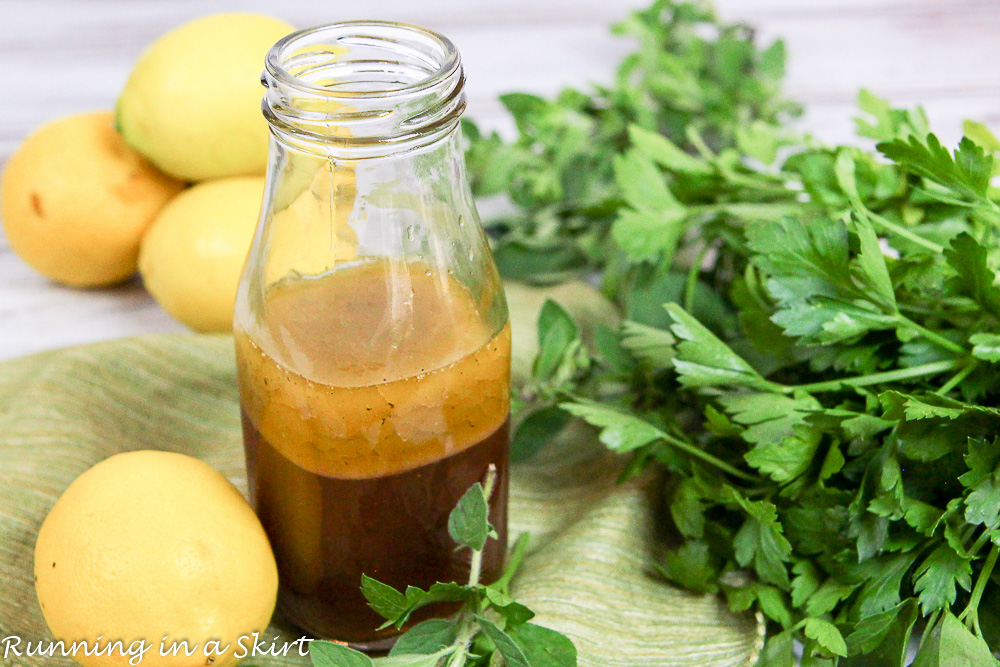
691, 450
879, 378
931, 622
904, 232
765, 210
956, 379
972, 609
932, 336
692, 278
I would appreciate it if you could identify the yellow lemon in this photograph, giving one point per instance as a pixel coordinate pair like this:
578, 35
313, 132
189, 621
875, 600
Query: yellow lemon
192, 255
192, 102
75, 201
154, 547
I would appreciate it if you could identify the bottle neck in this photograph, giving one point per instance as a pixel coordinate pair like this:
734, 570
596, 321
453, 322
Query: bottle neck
358, 90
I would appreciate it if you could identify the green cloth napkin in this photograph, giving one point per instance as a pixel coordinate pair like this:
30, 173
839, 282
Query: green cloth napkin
588, 572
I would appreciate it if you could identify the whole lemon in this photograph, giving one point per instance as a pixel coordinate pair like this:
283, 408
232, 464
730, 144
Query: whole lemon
75, 201
149, 545
192, 256
192, 103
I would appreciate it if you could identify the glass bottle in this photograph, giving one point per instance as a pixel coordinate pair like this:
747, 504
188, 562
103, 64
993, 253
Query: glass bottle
372, 340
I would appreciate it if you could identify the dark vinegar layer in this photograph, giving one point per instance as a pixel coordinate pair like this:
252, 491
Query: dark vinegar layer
326, 532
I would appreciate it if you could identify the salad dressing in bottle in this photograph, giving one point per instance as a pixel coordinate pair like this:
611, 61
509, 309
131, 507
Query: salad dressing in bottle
373, 347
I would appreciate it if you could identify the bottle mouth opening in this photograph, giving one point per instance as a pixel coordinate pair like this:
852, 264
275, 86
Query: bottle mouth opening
363, 83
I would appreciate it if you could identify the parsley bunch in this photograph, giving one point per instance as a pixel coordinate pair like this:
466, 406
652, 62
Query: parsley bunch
810, 350
491, 628
690, 71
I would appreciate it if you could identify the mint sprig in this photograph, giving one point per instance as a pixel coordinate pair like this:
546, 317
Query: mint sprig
489, 623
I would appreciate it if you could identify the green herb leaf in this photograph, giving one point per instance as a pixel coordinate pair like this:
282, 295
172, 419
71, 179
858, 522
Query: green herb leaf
405, 660
330, 654
968, 173
536, 430
556, 331
936, 578
951, 643
826, 635
619, 431
544, 647
513, 612
762, 543
968, 258
426, 638
512, 654
654, 346
705, 361
986, 346
469, 523
387, 602
692, 566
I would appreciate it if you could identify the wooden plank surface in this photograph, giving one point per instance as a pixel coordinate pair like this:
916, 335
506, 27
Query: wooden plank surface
65, 56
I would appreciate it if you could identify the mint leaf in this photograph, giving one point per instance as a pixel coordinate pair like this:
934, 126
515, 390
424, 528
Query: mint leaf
426, 638
330, 654
513, 612
543, 647
403, 660
468, 523
508, 648
387, 602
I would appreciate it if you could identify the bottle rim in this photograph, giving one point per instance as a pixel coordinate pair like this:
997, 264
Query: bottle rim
365, 87
352, 30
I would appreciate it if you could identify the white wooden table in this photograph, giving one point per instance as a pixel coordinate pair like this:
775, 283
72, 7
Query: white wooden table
64, 56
